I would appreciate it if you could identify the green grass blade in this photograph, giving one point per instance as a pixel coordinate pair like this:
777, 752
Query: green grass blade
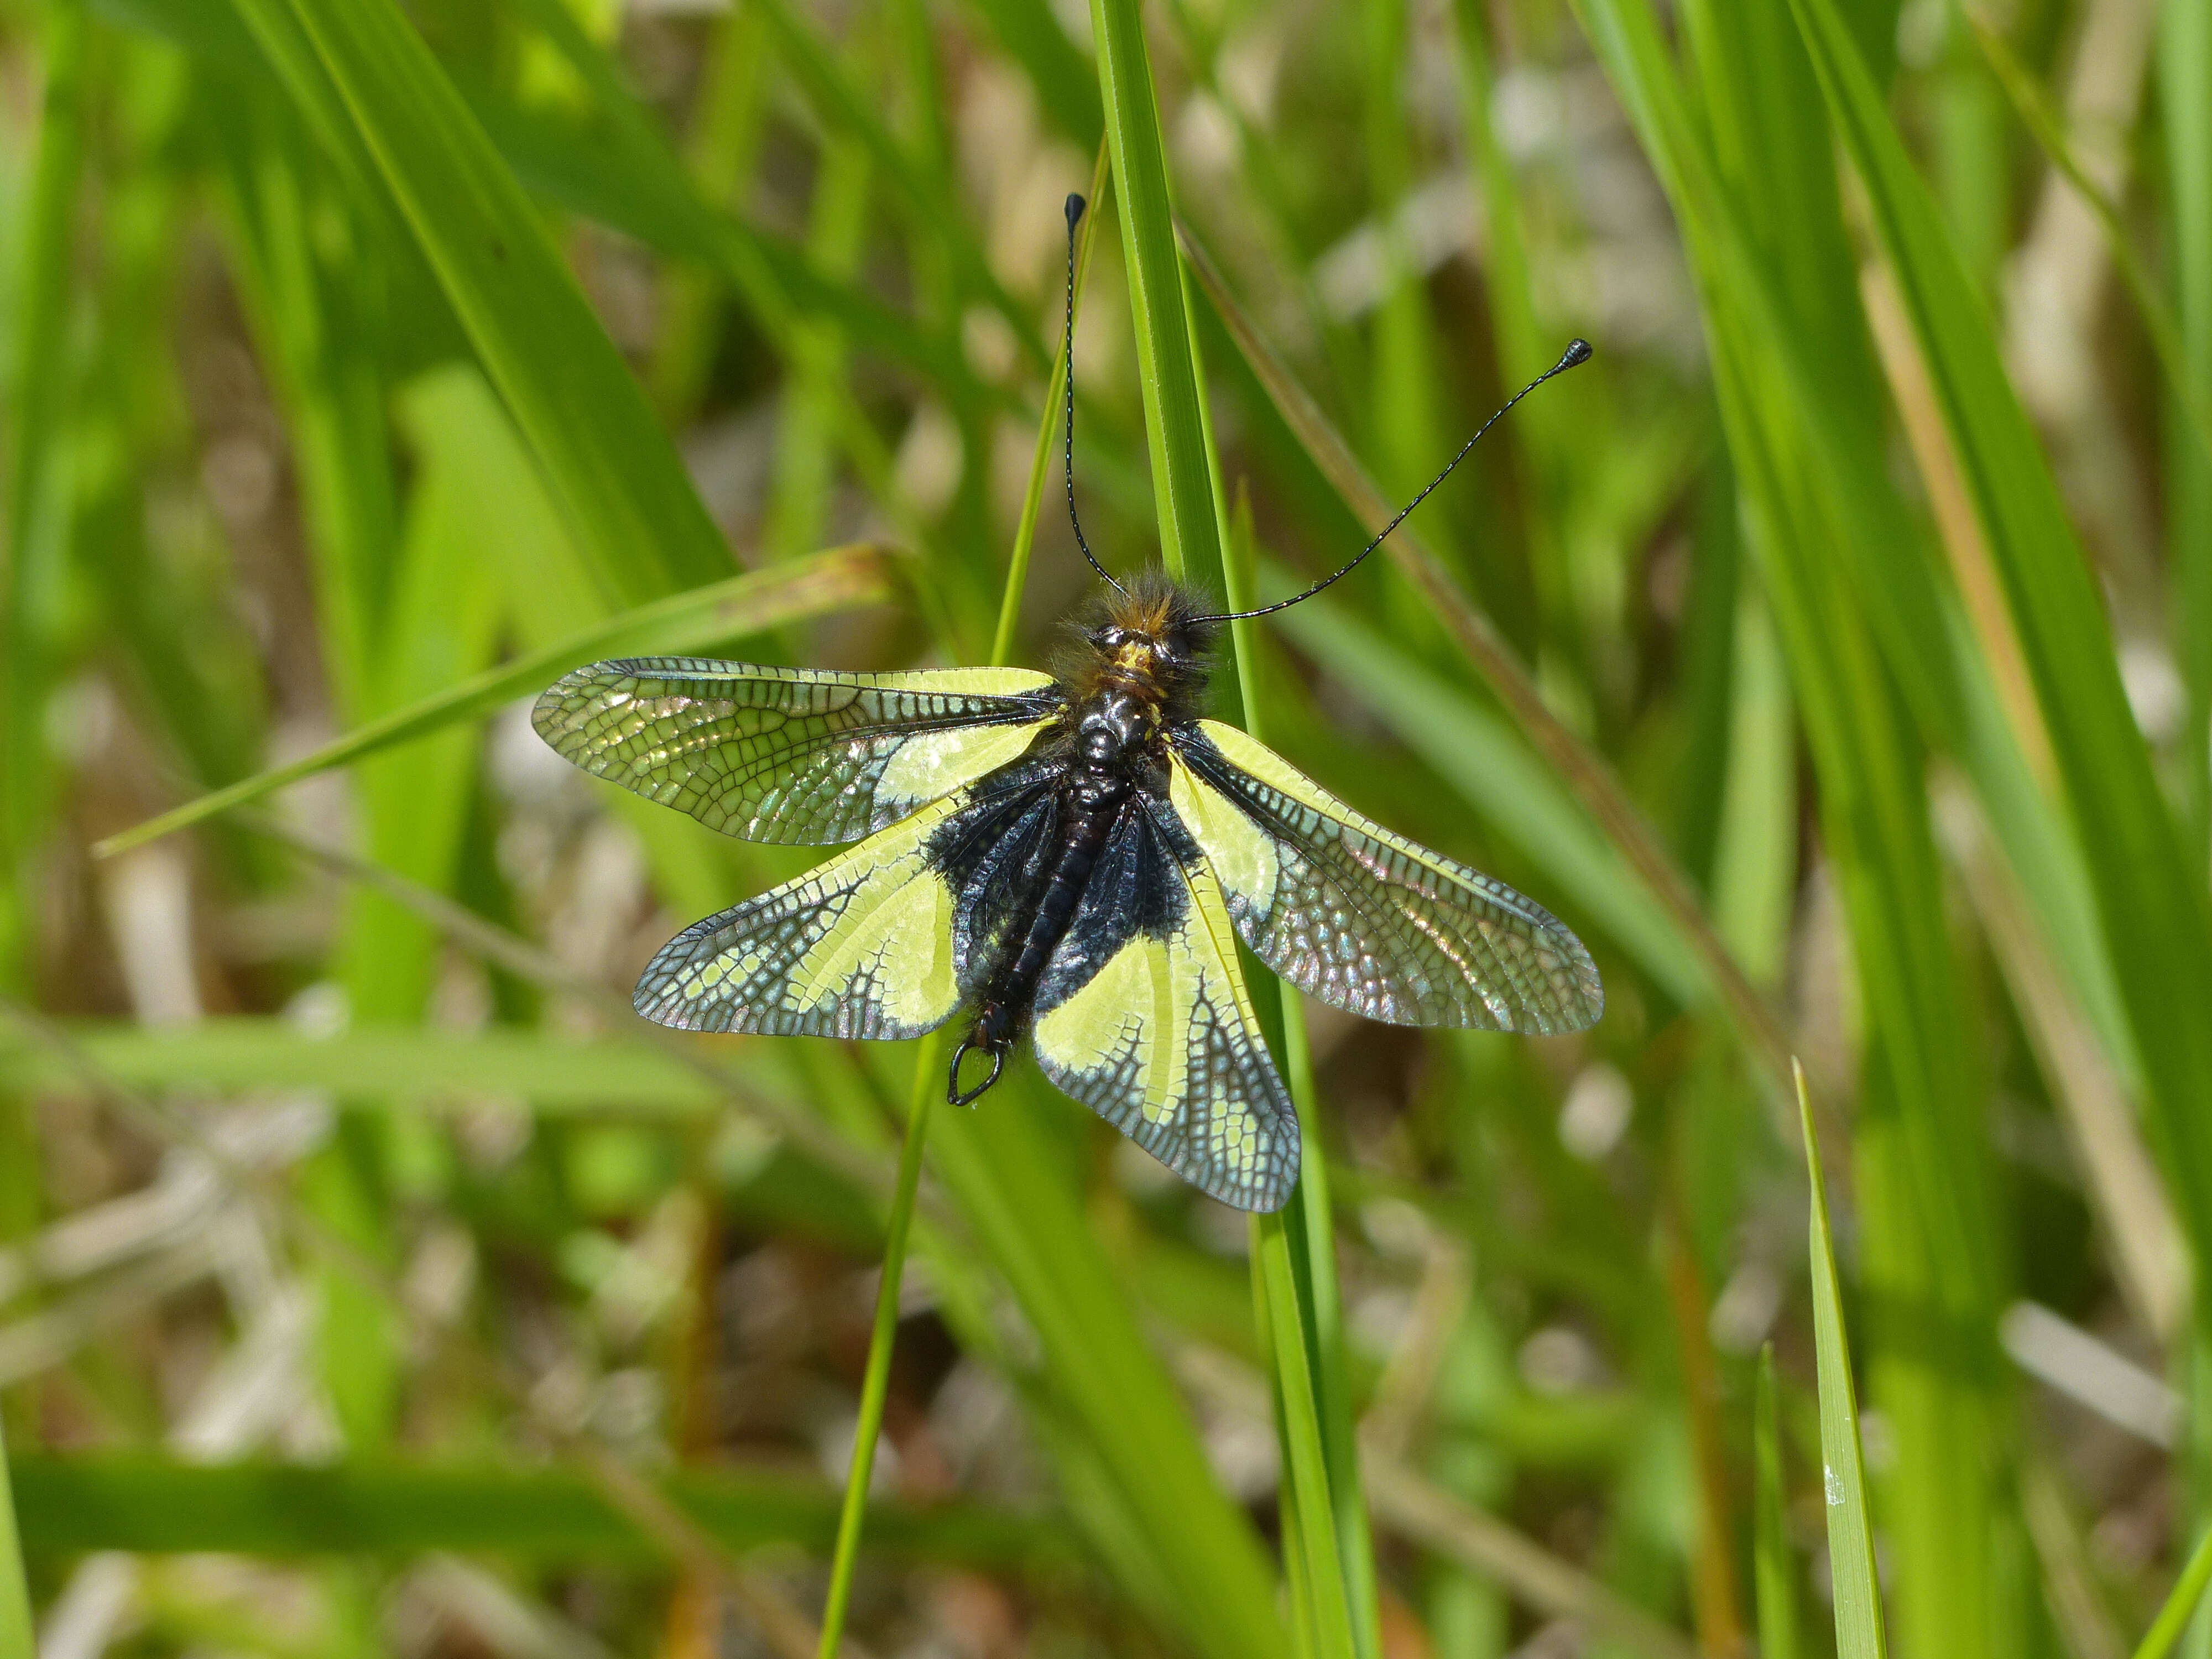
245, 1054
2173, 1617
404, 1506
1330, 1565
1327, 1552
1010, 1180
636, 516
835, 579
37, 501
18, 1640
1774, 1572
1182, 489
2184, 62
1851, 1527
2153, 906
882, 1337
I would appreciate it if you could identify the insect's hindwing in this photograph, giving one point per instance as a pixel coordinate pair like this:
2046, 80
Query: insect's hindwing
884, 940
791, 755
1142, 1016
1362, 918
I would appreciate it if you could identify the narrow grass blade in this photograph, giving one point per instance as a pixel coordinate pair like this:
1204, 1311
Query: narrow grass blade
2173, 1617
883, 1337
17, 1639
836, 579
1190, 535
2184, 62
402, 1506
639, 522
37, 501
1773, 1571
1850, 1528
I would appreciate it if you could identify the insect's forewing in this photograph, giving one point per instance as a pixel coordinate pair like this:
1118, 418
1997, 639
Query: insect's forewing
1362, 918
885, 940
791, 755
1142, 1016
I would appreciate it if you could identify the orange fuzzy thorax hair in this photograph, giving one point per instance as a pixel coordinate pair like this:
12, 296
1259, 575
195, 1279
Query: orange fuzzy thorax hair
1149, 642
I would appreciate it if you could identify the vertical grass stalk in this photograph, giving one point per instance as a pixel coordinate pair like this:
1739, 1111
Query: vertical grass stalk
1842, 1463
928, 1054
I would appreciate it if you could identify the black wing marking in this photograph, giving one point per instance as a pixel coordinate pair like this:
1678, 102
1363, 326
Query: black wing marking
1142, 1016
1363, 918
791, 755
886, 940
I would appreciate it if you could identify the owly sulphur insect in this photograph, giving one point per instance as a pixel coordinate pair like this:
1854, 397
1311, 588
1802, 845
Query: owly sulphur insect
1072, 855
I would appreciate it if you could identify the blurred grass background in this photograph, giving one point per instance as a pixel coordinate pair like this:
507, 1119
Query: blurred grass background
1834, 653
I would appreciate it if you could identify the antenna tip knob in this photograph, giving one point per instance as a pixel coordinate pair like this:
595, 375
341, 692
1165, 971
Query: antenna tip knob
1577, 353
1076, 204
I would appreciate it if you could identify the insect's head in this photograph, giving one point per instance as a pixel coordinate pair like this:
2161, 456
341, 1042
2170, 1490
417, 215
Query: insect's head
1151, 635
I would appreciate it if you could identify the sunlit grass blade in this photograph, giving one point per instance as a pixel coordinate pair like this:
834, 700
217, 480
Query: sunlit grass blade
1774, 1572
1190, 536
1850, 1528
17, 1639
2166, 1630
640, 523
835, 579
2155, 910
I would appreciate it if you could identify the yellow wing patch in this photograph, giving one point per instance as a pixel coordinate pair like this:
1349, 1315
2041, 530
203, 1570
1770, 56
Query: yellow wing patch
860, 946
1159, 1038
933, 765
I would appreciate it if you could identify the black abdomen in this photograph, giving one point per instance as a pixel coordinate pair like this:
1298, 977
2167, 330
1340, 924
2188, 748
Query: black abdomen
1091, 802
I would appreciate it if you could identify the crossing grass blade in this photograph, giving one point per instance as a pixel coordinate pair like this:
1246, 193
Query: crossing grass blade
835, 579
1858, 1586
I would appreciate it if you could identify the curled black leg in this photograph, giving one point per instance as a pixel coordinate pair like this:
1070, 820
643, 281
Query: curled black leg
997, 1053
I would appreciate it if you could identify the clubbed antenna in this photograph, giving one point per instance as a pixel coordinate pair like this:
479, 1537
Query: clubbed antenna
1577, 352
1075, 206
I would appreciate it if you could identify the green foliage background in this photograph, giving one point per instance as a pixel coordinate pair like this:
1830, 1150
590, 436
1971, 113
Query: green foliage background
1834, 653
